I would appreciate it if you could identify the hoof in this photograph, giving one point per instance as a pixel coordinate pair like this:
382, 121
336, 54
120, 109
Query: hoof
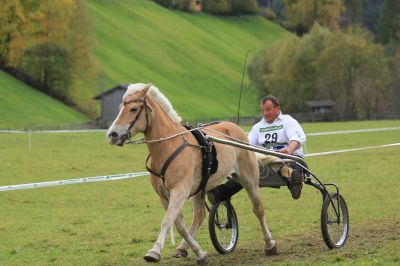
272, 251
203, 261
152, 256
180, 253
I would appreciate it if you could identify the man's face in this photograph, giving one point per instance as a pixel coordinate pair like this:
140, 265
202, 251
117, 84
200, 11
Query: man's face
269, 111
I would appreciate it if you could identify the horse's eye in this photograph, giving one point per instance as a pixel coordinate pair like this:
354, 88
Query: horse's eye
134, 109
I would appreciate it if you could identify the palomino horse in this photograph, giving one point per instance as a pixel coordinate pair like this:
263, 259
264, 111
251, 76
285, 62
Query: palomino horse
145, 109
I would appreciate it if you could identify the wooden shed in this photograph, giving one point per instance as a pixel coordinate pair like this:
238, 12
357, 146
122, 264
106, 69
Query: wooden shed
196, 5
110, 100
321, 106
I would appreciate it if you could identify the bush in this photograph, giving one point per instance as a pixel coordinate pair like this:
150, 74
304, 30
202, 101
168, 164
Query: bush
244, 7
166, 3
230, 7
217, 7
184, 5
268, 13
48, 67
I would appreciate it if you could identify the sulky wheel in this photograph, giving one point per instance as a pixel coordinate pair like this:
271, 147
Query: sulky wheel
223, 227
334, 221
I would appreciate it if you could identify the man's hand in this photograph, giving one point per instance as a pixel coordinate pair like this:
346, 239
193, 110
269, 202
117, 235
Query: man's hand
286, 151
293, 145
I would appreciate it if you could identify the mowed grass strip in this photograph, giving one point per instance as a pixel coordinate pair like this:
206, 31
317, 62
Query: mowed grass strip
23, 107
196, 60
115, 223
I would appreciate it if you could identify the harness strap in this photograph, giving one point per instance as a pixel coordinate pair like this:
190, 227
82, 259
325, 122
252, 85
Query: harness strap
209, 156
206, 169
167, 162
143, 106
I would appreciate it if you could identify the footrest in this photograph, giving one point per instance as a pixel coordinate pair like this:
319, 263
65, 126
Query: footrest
269, 178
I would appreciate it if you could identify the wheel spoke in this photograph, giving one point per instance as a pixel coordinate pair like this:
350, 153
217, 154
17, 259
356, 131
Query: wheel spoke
223, 230
334, 218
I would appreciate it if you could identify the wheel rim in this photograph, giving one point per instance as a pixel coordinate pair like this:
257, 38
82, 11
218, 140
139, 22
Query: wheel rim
226, 232
337, 226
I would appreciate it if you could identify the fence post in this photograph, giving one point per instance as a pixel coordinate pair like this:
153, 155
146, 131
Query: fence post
30, 139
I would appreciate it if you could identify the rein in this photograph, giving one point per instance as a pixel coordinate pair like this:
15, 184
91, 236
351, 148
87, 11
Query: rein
176, 152
200, 126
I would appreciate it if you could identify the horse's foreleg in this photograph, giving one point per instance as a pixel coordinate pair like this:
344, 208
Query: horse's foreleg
198, 217
201, 256
258, 209
175, 205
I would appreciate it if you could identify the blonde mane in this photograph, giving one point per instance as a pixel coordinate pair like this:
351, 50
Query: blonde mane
158, 97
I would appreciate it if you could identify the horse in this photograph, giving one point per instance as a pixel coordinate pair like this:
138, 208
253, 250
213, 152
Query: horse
145, 109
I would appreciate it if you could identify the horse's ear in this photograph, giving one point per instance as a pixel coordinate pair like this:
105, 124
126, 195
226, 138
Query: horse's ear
147, 88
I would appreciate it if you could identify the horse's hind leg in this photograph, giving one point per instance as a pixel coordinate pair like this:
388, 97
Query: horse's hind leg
198, 217
258, 209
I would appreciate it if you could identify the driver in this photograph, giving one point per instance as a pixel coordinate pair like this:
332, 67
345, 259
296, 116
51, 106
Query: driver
277, 132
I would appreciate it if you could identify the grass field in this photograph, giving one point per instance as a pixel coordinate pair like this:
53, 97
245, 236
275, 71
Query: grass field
115, 223
24, 107
193, 58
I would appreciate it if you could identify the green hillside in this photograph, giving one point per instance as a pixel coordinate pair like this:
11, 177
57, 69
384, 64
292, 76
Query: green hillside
195, 59
24, 107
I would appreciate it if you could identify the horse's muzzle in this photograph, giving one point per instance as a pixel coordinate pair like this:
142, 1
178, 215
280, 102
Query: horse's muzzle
115, 139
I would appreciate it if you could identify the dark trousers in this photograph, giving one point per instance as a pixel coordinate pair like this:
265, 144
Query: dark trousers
227, 190
231, 187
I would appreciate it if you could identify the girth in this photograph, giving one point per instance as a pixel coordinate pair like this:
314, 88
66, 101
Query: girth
209, 155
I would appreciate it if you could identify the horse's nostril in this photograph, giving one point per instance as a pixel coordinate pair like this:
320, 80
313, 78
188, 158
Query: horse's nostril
113, 135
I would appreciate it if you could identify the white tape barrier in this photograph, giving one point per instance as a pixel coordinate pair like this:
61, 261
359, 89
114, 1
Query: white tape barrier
348, 150
352, 131
73, 181
103, 130
133, 175
52, 131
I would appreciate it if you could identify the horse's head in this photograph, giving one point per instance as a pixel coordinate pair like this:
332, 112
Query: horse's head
134, 115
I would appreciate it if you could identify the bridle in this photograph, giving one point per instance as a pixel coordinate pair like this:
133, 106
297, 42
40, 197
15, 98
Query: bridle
143, 106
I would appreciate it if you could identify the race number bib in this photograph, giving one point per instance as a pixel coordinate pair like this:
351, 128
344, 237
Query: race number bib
271, 137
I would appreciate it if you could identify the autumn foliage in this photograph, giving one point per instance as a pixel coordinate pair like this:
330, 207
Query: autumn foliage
46, 43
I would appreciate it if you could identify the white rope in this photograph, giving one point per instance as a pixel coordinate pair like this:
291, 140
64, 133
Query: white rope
133, 175
352, 131
73, 181
348, 150
51, 131
104, 130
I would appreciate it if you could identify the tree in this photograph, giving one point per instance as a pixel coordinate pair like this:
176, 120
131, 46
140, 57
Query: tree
370, 14
12, 30
244, 7
47, 66
352, 13
217, 7
345, 67
389, 24
288, 70
354, 73
302, 14
230, 7
60, 45
393, 52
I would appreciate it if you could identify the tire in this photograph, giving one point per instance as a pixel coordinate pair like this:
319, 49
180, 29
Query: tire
223, 227
334, 231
